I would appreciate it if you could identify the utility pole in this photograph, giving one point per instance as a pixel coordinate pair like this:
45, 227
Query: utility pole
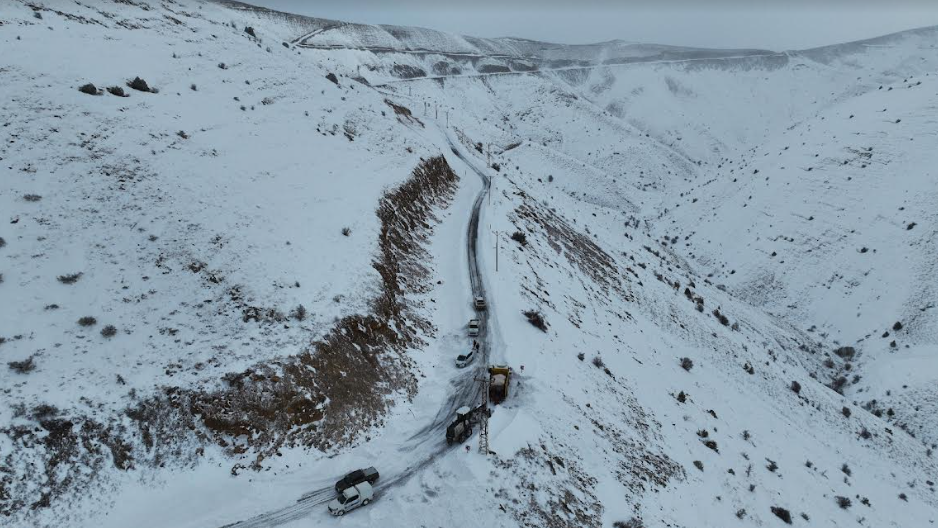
484, 418
436, 112
496, 252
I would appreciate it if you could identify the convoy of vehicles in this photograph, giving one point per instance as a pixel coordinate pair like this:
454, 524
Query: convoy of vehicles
355, 489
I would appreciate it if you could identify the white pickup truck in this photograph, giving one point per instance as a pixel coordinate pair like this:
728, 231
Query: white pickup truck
479, 303
350, 498
473, 327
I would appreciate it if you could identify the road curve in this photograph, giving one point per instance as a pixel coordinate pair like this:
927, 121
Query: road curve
466, 390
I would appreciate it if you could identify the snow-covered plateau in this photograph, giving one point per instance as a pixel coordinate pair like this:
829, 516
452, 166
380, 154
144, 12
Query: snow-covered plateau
239, 250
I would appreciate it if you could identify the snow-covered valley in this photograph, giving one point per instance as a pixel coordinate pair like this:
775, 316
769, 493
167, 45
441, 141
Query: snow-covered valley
219, 295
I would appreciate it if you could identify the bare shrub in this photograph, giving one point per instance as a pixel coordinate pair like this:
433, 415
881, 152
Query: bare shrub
687, 363
520, 238
598, 362
116, 90
346, 231
22, 367
299, 313
32, 197
70, 279
109, 331
712, 445
796, 387
139, 84
2, 242
698, 464
44, 411
634, 522
89, 89
536, 319
87, 321
724, 320
837, 384
846, 352
843, 502
193, 87
581, 356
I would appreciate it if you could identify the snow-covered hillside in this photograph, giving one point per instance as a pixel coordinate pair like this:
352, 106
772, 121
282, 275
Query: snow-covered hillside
732, 253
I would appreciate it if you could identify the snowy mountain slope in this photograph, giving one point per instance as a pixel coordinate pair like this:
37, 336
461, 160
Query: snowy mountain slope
422, 52
195, 220
584, 319
619, 182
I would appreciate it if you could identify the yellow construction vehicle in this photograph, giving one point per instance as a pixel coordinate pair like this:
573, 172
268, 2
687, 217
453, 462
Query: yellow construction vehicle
499, 379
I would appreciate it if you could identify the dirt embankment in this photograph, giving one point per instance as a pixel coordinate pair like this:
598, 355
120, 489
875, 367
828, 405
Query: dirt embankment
323, 397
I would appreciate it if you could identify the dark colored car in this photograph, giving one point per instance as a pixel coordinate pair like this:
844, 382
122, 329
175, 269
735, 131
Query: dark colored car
358, 476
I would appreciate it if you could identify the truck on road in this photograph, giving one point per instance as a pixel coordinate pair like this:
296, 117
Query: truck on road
473, 328
369, 475
499, 379
352, 497
461, 428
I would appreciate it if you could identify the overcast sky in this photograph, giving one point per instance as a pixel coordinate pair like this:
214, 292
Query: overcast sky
767, 24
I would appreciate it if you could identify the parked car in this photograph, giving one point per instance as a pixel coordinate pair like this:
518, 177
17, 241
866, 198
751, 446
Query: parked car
463, 360
369, 475
350, 498
473, 327
479, 303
